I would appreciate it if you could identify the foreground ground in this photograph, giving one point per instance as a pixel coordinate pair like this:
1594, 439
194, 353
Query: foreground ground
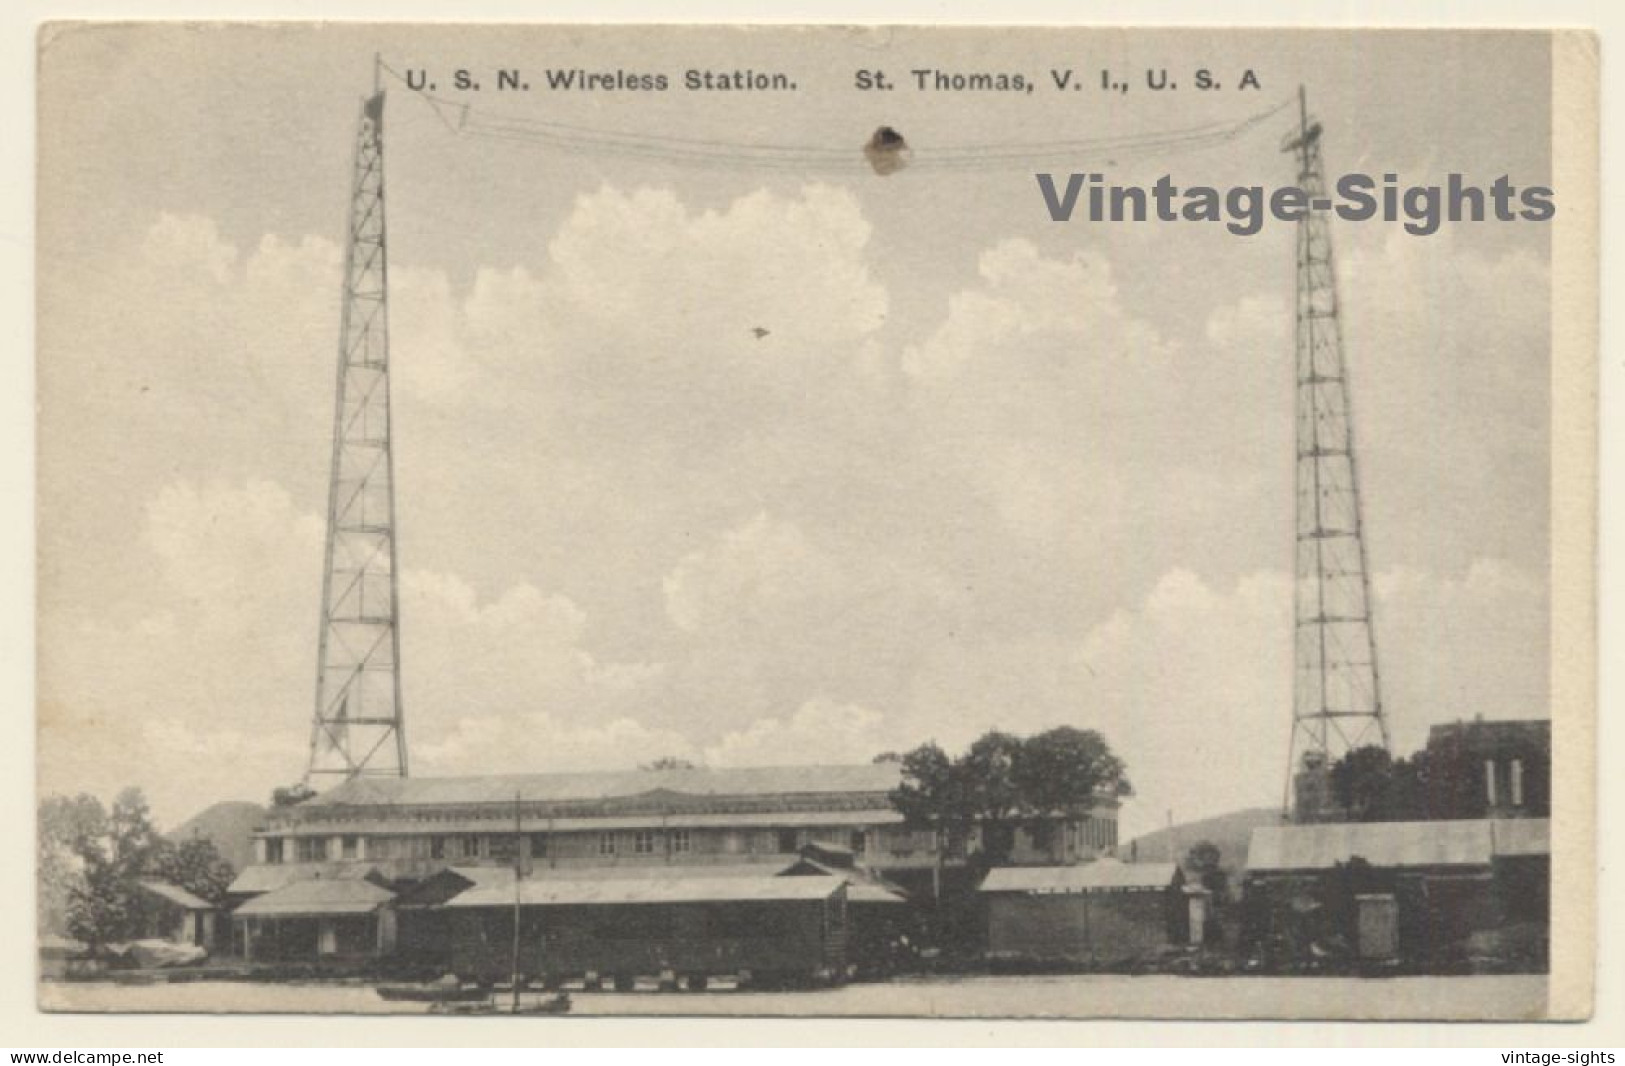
1082, 996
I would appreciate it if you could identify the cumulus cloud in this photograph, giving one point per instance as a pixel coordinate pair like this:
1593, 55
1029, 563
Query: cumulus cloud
634, 526
762, 565
1199, 675
819, 731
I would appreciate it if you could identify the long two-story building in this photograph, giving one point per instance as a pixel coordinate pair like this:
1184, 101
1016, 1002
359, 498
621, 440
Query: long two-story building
407, 829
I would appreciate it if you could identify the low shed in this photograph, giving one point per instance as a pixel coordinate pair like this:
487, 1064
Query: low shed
1101, 913
170, 912
1388, 891
345, 919
689, 927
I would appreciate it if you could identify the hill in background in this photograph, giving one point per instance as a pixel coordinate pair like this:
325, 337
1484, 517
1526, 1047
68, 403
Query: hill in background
1231, 832
228, 825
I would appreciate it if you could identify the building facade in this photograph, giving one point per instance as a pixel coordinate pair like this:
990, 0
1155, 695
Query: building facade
408, 829
1494, 769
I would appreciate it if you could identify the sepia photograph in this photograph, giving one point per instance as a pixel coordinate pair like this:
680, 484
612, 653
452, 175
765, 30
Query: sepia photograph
813, 521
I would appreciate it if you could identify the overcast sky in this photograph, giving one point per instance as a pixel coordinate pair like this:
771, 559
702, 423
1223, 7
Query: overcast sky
985, 470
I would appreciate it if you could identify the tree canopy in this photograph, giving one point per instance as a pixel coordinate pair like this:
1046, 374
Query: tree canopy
91, 858
1003, 783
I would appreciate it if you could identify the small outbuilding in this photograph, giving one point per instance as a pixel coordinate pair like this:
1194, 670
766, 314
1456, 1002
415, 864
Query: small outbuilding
170, 912
684, 928
1102, 913
1428, 893
336, 920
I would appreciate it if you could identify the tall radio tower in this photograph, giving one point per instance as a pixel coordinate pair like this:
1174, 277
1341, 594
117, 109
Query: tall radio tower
358, 727
1337, 700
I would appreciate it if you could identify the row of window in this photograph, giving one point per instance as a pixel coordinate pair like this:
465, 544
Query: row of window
476, 846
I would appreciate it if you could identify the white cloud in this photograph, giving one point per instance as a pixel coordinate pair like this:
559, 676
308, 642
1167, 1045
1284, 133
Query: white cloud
1199, 677
763, 565
820, 731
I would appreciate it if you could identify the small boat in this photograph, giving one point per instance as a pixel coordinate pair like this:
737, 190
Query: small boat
432, 993
492, 1004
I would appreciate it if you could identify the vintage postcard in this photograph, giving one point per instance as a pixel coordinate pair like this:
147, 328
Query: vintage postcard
1002, 522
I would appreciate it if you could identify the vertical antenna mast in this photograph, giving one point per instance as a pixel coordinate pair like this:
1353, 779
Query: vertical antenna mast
358, 726
1337, 701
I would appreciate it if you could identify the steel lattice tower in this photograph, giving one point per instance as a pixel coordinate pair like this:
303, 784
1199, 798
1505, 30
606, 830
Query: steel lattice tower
358, 726
1337, 700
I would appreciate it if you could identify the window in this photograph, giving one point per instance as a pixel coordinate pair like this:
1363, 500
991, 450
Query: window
538, 845
1489, 781
437, 847
643, 842
1517, 782
733, 843
471, 846
273, 850
311, 849
351, 847
606, 843
679, 840
787, 841
860, 841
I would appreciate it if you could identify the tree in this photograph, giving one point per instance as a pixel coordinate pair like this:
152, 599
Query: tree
1372, 786
1003, 782
111, 849
63, 823
1363, 783
993, 792
932, 797
1207, 862
1064, 772
195, 865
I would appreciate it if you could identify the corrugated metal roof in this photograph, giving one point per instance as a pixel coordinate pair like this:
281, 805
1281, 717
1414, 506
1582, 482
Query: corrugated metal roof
1453, 843
372, 824
1102, 875
268, 877
541, 788
319, 897
176, 895
554, 892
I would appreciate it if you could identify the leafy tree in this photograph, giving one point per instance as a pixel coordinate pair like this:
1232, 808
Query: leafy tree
1374, 787
195, 865
1207, 862
110, 850
63, 823
1363, 783
988, 773
932, 794
1004, 782
1064, 771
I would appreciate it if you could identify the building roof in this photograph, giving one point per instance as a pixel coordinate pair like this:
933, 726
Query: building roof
320, 897
1512, 837
1102, 875
863, 885
381, 821
1496, 734
1450, 843
569, 891
176, 894
620, 784
268, 877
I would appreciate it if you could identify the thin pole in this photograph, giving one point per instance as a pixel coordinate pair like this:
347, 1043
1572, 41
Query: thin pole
518, 871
